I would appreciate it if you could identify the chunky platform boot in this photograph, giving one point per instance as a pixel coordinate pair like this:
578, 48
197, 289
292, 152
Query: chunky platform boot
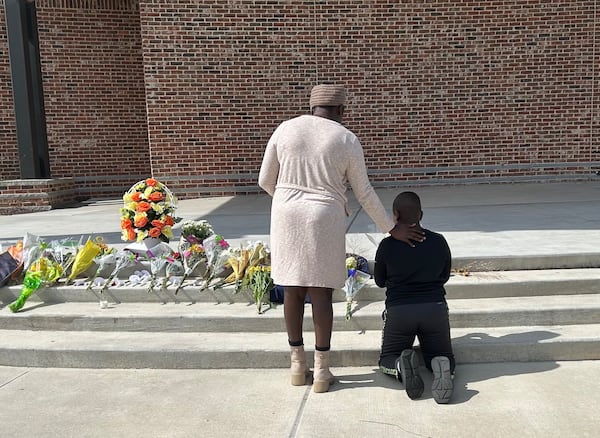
298, 369
322, 377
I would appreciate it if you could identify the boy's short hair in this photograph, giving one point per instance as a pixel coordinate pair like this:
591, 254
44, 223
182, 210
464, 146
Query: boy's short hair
407, 206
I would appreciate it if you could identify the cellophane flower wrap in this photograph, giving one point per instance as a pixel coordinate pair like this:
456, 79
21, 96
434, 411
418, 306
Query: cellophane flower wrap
173, 269
158, 261
192, 256
355, 282
217, 255
84, 258
42, 272
123, 259
148, 211
33, 248
64, 251
241, 259
258, 280
106, 257
190, 246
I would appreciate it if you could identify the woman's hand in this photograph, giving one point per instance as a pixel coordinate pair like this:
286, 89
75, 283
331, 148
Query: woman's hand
408, 233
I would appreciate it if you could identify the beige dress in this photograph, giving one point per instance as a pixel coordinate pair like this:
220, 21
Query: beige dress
306, 165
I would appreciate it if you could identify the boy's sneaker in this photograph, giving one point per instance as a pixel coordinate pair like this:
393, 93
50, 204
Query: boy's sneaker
407, 367
442, 385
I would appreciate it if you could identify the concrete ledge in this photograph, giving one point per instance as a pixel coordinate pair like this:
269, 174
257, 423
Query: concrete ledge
243, 318
475, 285
270, 350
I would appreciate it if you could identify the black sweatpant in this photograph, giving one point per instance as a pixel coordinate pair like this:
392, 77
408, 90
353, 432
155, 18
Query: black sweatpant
426, 321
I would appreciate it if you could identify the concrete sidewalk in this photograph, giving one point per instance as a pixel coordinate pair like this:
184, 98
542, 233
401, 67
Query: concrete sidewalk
496, 220
560, 221
543, 399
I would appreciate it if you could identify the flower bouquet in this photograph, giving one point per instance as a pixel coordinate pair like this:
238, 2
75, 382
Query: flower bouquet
215, 248
148, 212
84, 258
44, 271
258, 280
158, 260
355, 281
33, 248
64, 252
123, 258
174, 271
195, 231
192, 257
241, 259
106, 257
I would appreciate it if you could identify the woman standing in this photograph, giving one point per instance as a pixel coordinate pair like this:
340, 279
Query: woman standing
306, 165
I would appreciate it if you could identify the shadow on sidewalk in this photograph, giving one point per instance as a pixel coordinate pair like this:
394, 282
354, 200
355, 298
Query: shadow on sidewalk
467, 370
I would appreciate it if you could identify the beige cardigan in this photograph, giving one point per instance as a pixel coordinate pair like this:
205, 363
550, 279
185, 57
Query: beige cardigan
306, 165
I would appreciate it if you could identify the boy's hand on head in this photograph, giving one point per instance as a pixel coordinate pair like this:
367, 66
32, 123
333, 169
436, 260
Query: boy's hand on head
408, 233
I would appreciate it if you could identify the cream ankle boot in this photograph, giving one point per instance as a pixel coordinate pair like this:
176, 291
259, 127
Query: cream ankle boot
298, 369
322, 377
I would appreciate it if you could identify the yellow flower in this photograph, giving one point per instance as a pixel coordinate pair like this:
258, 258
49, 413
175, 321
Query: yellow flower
351, 263
124, 235
127, 198
159, 208
141, 235
168, 231
148, 191
131, 206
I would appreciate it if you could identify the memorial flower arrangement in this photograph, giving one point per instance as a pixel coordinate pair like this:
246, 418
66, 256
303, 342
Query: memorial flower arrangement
195, 231
215, 247
44, 265
243, 258
148, 211
355, 282
123, 259
85, 257
158, 261
258, 280
93, 264
42, 272
192, 257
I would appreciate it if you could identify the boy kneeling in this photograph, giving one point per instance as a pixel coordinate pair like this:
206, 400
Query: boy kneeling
415, 305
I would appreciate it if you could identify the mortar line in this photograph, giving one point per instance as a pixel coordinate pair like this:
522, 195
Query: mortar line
314, 14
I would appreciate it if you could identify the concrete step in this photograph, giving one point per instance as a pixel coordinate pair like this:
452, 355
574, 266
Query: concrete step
243, 318
167, 350
470, 284
528, 262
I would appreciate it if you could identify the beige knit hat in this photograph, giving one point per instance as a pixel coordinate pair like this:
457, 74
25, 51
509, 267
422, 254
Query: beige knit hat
327, 95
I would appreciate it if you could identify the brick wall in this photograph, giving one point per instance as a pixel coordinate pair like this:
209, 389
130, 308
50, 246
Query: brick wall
439, 91
94, 93
9, 152
32, 195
